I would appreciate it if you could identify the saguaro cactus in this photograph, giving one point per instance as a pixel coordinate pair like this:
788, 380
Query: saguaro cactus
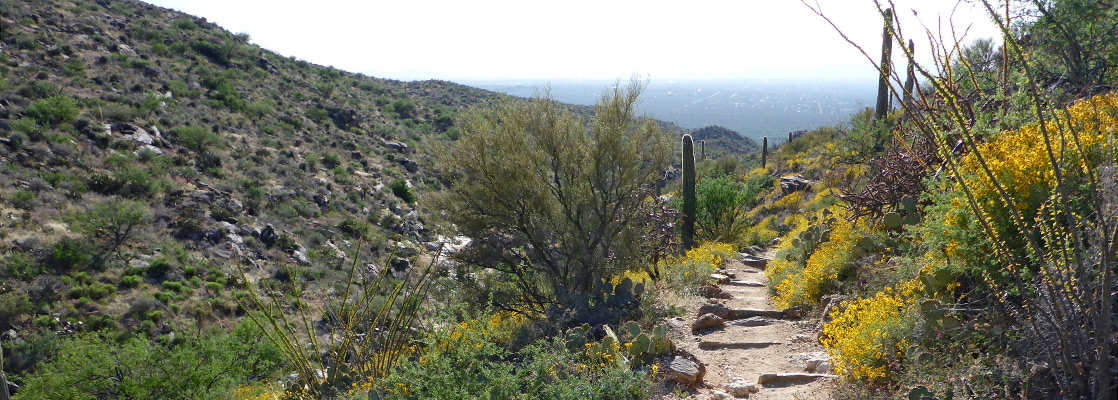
886, 61
764, 151
702, 149
687, 234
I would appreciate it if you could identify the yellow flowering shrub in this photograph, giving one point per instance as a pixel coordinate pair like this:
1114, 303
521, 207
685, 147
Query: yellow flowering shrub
797, 283
865, 335
1019, 161
259, 391
694, 267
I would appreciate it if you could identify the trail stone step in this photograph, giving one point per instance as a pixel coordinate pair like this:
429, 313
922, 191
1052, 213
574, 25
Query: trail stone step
749, 313
707, 321
720, 278
715, 292
790, 379
754, 322
712, 345
745, 283
755, 262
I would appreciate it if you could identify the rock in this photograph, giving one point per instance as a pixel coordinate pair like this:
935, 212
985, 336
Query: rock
715, 292
152, 149
266, 65
269, 235
10, 336
140, 136
748, 313
322, 200
397, 146
227, 228
793, 312
221, 253
684, 372
739, 387
755, 262
344, 118
235, 239
794, 183
712, 345
126, 50
410, 165
719, 395
745, 283
299, 257
720, 278
790, 379
717, 309
754, 322
707, 321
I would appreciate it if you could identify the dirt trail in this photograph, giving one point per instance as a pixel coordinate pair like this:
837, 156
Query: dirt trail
744, 349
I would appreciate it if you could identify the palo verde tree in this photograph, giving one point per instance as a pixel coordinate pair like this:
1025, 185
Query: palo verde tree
551, 201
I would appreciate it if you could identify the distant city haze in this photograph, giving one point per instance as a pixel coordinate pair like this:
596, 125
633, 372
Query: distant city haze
754, 108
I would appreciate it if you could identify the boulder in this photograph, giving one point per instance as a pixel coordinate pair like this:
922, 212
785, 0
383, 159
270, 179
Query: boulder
269, 235
707, 321
719, 278
794, 183
715, 292
410, 165
685, 372
126, 50
300, 257
717, 309
397, 146
755, 262
739, 387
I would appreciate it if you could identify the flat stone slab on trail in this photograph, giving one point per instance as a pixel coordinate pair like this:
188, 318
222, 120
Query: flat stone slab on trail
745, 283
790, 379
710, 345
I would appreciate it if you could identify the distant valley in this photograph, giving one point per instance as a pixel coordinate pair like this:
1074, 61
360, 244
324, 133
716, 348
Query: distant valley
753, 108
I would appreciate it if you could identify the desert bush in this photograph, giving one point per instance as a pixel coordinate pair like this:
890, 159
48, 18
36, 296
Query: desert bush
13, 305
867, 337
400, 188
54, 110
195, 137
112, 224
549, 202
206, 366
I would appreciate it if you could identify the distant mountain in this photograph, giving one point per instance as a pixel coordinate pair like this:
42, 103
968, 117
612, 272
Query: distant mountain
720, 142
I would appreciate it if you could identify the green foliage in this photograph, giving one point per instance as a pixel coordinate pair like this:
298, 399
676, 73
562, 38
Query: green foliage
54, 110
22, 199
204, 366
534, 173
468, 363
721, 204
404, 107
69, 254
400, 188
112, 224
13, 305
195, 137
20, 265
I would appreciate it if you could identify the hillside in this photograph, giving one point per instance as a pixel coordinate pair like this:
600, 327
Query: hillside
720, 141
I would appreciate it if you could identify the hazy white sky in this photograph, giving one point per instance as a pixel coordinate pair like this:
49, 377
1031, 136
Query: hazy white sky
581, 39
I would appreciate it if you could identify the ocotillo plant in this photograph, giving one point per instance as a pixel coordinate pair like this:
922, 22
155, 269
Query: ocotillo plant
764, 151
687, 235
886, 52
910, 81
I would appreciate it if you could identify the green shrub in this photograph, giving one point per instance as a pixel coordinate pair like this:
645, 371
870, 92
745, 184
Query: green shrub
194, 137
23, 199
69, 254
401, 190
20, 265
13, 305
112, 224
131, 281
207, 366
54, 110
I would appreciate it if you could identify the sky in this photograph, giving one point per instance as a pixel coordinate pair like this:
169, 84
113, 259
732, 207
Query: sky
480, 40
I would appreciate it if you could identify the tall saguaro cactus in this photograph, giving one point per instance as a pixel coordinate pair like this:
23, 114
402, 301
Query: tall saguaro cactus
886, 65
687, 234
764, 151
